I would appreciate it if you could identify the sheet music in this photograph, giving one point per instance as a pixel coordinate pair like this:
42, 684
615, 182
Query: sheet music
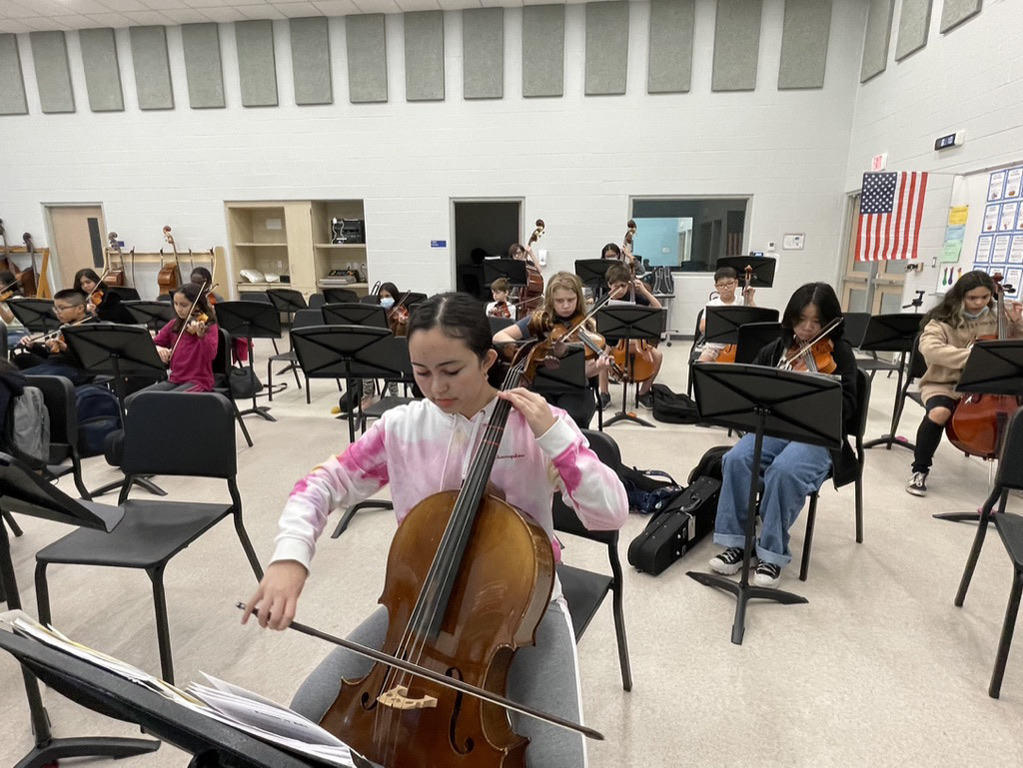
221, 701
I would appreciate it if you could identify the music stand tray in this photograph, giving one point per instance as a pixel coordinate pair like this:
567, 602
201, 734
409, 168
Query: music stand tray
794, 406
116, 350
24, 492
752, 338
35, 314
763, 269
993, 368
567, 375
152, 314
513, 269
628, 322
723, 322
593, 272
251, 320
355, 313
890, 333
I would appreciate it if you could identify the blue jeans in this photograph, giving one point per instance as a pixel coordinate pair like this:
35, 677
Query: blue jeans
791, 472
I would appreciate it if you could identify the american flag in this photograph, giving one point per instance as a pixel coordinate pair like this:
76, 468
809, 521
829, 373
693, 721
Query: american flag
891, 207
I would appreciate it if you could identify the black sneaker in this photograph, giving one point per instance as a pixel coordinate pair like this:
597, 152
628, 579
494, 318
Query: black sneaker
917, 484
728, 562
767, 574
605, 400
646, 400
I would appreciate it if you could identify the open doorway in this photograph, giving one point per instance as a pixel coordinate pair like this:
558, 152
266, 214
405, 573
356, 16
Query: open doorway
77, 239
482, 228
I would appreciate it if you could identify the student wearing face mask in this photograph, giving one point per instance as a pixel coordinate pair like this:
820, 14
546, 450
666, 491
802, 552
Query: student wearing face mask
967, 312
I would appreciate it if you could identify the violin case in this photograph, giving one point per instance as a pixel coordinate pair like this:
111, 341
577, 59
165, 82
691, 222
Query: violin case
673, 531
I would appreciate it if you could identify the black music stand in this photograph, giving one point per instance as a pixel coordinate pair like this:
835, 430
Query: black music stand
354, 313
513, 269
993, 368
723, 322
795, 406
35, 314
339, 295
752, 338
628, 322
349, 352
125, 292
593, 273
890, 333
118, 351
564, 374
763, 269
24, 492
214, 744
152, 314
251, 320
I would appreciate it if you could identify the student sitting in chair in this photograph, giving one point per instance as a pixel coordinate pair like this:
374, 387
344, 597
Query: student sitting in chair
188, 344
47, 354
726, 282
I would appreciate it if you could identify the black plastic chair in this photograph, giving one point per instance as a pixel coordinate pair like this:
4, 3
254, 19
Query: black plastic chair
59, 398
863, 382
340, 296
1009, 477
585, 590
316, 301
304, 318
152, 532
498, 324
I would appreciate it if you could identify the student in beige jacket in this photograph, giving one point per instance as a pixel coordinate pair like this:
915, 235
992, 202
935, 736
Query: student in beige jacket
967, 312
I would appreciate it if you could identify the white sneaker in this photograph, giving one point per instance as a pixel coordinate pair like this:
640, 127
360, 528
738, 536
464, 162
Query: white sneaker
728, 562
917, 484
767, 574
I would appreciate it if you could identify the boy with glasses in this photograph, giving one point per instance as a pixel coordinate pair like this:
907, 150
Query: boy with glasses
50, 357
726, 283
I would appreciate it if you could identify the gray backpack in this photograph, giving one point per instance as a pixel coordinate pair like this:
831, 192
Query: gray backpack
30, 427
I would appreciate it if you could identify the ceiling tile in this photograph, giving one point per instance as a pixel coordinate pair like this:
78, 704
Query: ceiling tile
297, 10
160, 5
261, 11
458, 5
13, 10
42, 23
336, 7
47, 8
111, 19
224, 15
84, 6
208, 3
78, 21
14, 27
418, 5
124, 5
148, 18
377, 6
185, 15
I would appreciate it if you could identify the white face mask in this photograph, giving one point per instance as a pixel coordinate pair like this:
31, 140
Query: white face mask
975, 315
387, 302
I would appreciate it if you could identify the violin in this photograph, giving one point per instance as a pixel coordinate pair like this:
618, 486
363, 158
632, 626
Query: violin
594, 344
727, 354
397, 316
978, 421
194, 324
815, 356
459, 603
10, 290
500, 309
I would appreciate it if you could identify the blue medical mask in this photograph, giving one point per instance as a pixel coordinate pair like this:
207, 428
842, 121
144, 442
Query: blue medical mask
387, 302
974, 316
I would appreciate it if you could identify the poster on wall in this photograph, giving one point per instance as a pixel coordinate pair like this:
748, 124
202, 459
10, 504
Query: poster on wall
1012, 281
1000, 253
1016, 249
1000, 244
1007, 219
996, 185
991, 218
984, 245
1012, 182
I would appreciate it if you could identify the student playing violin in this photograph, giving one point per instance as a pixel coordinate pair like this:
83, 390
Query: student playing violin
499, 307
966, 313
563, 306
397, 312
726, 283
791, 470
188, 344
102, 303
201, 276
11, 290
424, 447
47, 355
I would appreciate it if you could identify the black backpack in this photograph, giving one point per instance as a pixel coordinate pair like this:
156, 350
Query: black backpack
673, 408
99, 414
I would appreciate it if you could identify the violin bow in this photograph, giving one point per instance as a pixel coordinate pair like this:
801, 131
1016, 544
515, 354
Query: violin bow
436, 677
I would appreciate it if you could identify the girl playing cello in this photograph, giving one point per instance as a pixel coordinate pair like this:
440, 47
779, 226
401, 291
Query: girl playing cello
422, 448
966, 313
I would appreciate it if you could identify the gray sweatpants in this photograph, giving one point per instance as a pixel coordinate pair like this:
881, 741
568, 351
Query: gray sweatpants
543, 676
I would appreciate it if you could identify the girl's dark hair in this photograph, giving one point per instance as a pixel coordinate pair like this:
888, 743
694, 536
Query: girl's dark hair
822, 296
613, 248
8, 279
391, 288
950, 310
87, 273
459, 316
190, 291
204, 276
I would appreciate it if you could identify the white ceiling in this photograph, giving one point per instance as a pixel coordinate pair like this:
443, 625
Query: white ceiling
36, 15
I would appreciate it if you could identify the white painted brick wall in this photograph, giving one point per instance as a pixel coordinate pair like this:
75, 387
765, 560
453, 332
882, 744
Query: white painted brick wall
575, 160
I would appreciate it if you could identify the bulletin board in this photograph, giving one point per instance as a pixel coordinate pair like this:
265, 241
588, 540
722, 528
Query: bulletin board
1000, 237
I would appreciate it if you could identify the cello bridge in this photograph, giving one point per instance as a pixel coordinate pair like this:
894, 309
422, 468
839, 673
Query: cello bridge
397, 698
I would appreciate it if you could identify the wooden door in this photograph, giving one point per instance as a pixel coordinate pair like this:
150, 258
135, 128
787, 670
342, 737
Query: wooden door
869, 286
73, 235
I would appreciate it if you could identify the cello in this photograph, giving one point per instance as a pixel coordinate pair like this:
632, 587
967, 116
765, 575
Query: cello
469, 579
27, 277
728, 353
978, 421
114, 275
634, 360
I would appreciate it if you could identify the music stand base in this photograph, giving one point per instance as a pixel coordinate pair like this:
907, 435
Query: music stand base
352, 510
61, 749
623, 416
958, 517
888, 441
743, 594
259, 410
141, 481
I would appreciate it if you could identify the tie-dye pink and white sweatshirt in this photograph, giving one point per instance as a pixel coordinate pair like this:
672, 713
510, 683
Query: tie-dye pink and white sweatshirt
420, 450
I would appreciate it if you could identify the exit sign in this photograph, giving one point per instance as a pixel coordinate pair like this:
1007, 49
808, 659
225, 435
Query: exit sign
879, 162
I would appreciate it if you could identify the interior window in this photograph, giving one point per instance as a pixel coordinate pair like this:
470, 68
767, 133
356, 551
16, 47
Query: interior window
689, 234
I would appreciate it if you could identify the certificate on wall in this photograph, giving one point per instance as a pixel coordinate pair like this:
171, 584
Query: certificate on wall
984, 245
1019, 218
995, 186
1007, 219
1012, 278
1000, 253
990, 218
1016, 249
1013, 177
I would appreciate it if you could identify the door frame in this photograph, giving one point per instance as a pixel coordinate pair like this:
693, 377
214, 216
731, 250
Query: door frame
453, 244
883, 278
55, 268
